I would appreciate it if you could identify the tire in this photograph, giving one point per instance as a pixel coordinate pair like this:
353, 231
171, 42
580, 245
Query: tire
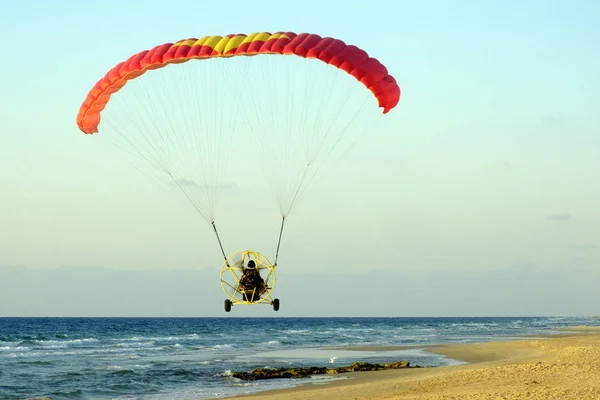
227, 305
276, 304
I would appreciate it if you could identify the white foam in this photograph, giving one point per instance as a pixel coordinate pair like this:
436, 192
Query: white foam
135, 344
297, 331
64, 342
223, 346
115, 368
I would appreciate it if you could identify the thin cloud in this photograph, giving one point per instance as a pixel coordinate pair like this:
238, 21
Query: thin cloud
560, 217
12, 266
555, 120
584, 246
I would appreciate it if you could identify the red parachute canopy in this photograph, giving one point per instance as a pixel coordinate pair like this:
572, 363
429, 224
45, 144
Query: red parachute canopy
355, 61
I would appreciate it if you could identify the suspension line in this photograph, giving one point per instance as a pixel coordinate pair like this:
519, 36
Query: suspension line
279, 241
220, 245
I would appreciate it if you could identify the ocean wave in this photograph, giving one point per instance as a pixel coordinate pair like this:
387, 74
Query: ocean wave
71, 341
348, 336
358, 329
84, 352
134, 344
9, 342
473, 325
222, 346
345, 332
180, 372
74, 393
124, 371
192, 336
25, 343
114, 368
57, 344
297, 331
132, 339
245, 384
37, 362
18, 348
205, 362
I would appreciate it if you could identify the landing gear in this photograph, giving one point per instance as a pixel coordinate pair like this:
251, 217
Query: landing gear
274, 303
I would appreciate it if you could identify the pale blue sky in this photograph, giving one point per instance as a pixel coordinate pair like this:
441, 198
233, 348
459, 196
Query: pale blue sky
479, 195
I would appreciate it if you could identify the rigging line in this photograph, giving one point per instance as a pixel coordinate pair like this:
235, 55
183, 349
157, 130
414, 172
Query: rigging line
220, 245
188, 196
130, 138
324, 160
295, 195
279, 241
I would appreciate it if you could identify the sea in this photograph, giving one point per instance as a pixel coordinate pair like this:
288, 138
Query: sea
193, 358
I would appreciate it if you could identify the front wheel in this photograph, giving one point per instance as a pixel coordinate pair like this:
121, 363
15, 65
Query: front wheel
227, 305
275, 304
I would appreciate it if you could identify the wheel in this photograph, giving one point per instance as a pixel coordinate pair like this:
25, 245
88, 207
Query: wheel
275, 304
227, 305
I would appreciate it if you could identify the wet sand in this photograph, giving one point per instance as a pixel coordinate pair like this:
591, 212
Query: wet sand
563, 367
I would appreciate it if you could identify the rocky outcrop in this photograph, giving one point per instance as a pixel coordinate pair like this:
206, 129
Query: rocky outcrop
275, 373
364, 366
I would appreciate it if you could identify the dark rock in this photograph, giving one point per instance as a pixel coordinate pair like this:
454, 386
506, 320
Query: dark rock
274, 373
364, 366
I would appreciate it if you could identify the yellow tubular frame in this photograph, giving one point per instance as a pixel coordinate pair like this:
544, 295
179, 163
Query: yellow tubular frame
231, 273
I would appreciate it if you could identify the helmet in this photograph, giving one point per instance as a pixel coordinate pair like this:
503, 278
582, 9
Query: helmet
251, 264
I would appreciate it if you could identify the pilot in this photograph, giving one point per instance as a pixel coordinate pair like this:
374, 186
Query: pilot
251, 282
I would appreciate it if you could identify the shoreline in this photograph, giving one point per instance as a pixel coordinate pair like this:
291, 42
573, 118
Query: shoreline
561, 365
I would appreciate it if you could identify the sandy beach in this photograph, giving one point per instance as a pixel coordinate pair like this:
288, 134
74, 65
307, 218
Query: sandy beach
566, 366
